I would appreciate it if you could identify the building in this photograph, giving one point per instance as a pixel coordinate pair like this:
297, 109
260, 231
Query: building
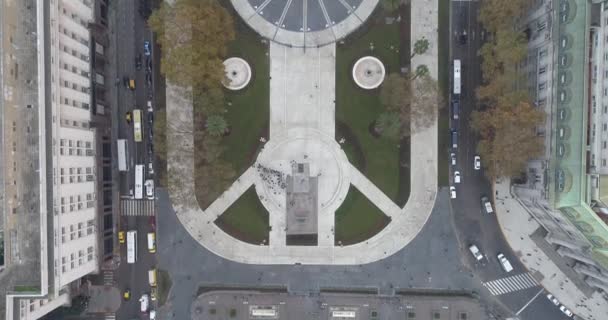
567, 189
56, 161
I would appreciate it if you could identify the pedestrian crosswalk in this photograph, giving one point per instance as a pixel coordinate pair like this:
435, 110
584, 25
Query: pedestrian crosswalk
108, 278
132, 207
110, 317
510, 284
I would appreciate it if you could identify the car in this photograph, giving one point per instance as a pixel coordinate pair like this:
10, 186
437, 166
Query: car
477, 163
150, 118
149, 104
453, 158
454, 136
486, 205
121, 237
128, 117
152, 315
149, 80
456, 176
452, 192
149, 184
138, 61
504, 263
126, 294
553, 299
148, 64
150, 168
147, 48
455, 107
144, 303
475, 252
566, 311
462, 38
153, 293
150, 149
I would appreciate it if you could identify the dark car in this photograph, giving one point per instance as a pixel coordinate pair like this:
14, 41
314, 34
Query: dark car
150, 148
149, 79
149, 64
462, 38
455, 109
150, 118
138, 61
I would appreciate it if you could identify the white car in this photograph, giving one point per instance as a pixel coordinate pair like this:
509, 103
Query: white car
152, 314
149, 184
504, 263
456, 176
453, 158
149, 104
452, 192
477, 163
476, 253
144, 302
553, 299
150, 168
486, 205
566, 311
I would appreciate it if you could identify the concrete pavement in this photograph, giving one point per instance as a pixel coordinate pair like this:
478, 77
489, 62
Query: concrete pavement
511, 213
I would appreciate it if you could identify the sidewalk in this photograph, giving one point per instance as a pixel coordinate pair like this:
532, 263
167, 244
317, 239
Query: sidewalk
511, 214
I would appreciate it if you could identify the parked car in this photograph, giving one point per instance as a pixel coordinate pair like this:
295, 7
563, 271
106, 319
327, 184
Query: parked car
149, 184
477, 163
553, 299
150, 118
475, 252
454, 138
144, 303
147, 50
153, 293
456, 176
150, 149
505, 264
149, 80
121, 237
453, 158
149, 64
149, 104
128, 117
150, 168
138, 61
566, 311
152, 314
486, 205
452, 192
455, 109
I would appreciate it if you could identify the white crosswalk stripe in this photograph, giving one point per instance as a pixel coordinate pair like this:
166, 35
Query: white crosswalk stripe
110, 317
517, 282
108, 278
131, 207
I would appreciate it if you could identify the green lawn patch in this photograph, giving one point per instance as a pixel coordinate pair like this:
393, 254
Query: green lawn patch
248, 110
246, 219
444, 113
358, 219
164, 285
358, 108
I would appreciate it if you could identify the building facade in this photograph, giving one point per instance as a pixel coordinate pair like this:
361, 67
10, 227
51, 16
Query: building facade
567, 72
66, 162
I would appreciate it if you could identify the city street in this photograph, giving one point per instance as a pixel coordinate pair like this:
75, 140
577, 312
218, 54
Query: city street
473, 226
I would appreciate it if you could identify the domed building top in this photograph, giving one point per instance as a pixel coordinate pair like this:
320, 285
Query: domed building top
304, 23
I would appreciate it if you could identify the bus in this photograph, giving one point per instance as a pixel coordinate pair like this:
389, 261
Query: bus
123, 165
131, 246
139, 181
456, 76
137, 125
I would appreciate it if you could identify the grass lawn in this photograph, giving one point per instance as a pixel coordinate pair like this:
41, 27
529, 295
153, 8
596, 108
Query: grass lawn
249, 113
358, 219
444, 56
246, 219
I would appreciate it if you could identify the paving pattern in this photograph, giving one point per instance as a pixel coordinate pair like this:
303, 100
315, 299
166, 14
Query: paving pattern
514, 283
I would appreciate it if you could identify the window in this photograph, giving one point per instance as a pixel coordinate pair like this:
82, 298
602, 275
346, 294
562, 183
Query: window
603, 162
542, 69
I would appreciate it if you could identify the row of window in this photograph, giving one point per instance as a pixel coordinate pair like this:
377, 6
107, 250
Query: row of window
76, 175
75, 261
75, 148
77, 231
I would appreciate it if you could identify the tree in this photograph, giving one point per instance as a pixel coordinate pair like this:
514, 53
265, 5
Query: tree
421, 70
508, 136
388, 125
420, 47
395, 92
495, 15
216, 125
193, 35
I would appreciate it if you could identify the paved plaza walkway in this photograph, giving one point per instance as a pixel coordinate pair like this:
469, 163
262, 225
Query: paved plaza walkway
510, 214
302, 130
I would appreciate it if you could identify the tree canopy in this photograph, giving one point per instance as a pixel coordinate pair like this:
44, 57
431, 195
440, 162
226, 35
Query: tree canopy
193, 35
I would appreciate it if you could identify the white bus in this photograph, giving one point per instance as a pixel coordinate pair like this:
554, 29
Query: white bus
131, 246
137, 125
139, 181
456, 76
123, 165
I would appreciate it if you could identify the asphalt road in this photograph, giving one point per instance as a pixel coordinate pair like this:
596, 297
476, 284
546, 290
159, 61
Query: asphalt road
130, 33
472, 225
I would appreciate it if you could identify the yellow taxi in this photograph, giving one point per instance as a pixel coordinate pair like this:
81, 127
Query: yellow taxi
126, 294
121, 237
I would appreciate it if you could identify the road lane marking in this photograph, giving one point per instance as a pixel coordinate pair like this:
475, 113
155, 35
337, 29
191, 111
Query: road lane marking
529, 302
514, 283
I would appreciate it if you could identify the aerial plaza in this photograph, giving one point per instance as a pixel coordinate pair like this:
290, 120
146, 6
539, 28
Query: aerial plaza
302, 174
